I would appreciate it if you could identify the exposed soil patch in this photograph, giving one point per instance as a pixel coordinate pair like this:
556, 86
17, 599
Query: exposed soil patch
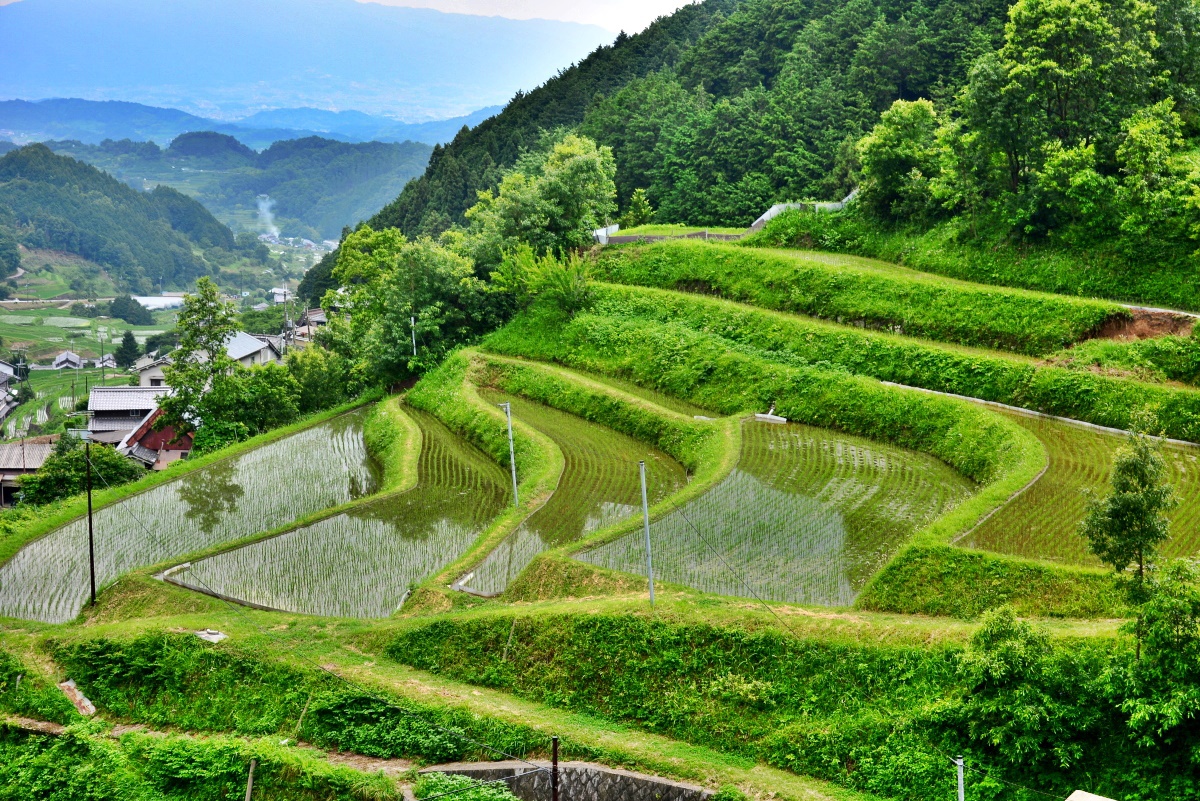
388, 767
1143, 324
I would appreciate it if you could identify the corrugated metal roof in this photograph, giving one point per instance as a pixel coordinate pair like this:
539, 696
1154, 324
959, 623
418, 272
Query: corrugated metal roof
112, 423
125, 399
242, 345
11, 457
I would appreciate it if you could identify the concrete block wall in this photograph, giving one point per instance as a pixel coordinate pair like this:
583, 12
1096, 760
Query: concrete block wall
578, 781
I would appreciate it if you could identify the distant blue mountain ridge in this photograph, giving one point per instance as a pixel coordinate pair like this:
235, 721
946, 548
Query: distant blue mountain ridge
92, 121
230, 58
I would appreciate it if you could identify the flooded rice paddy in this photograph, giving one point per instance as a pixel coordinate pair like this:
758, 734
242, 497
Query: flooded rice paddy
807, 517
599, 487
361, 563
259, 490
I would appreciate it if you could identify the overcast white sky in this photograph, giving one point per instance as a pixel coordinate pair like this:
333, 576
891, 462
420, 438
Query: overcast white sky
616, 15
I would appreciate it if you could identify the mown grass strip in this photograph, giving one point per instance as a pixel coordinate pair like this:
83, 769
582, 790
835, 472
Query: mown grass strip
873, 294
1000, 377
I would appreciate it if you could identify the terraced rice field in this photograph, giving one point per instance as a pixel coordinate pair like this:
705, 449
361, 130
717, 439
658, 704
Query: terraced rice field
1041, 523
362, 563
599, 487
261, 489
807, 517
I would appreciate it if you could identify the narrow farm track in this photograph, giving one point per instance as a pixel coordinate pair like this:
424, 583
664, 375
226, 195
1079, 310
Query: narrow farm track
1041, 522
362, 562
599, 487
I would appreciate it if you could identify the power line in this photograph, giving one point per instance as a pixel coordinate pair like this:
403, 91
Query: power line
365, 691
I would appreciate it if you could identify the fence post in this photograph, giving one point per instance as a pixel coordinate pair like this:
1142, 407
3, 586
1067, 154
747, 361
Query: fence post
554, 768
959, 763
250, 779
646, 528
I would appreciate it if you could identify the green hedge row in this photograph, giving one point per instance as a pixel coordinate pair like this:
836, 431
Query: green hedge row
870, 716
82, 763
840, 289
1082, 395
177, 681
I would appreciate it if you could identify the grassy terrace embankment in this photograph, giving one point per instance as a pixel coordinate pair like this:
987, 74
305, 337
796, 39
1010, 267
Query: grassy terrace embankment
987, 375
860, 291
946, 250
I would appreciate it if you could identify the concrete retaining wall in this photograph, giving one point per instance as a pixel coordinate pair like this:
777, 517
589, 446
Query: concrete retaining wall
577, 781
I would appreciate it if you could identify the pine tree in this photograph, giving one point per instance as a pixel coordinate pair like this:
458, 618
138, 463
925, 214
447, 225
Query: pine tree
127, 352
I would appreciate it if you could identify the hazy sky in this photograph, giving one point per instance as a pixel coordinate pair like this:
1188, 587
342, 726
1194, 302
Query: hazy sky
615, 15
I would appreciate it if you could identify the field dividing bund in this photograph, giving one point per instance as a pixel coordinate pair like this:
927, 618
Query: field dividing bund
364, 561
1041, 522
808, 516
864, 292
599, 487
326, 465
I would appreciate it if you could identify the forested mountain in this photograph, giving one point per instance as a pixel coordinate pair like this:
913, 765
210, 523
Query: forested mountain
142, 238
316, 186
725, 107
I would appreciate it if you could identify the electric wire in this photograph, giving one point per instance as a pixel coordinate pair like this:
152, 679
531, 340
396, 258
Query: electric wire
365, 691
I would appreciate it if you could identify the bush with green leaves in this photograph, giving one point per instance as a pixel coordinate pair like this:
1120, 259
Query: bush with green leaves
463, 787
64, 473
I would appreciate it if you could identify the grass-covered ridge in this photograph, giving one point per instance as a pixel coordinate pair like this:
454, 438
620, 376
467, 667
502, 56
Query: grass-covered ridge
1102, 271
874, 294
987, 375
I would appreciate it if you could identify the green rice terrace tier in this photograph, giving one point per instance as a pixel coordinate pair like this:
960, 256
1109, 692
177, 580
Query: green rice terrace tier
319, 467
363, 562
598, 488
808, 516
1042, 521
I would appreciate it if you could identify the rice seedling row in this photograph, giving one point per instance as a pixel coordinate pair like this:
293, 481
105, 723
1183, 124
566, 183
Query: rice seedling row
1042, 522
261, 489
600, 486
363, 562
807, 517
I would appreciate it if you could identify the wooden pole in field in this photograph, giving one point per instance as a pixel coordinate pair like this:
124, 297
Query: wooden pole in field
250, 779
646, 528
512, 453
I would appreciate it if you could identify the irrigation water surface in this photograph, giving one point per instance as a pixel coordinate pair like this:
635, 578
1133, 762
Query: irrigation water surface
361, 563
807, 517
599, 487
285, 480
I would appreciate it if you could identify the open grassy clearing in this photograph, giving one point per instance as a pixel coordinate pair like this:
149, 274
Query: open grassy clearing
1041, 523
598, 488
363, 562
51, 274
808, 517
863, 292
676, 229
319, 467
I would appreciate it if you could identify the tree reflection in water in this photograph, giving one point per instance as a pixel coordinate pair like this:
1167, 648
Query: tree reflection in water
210, 494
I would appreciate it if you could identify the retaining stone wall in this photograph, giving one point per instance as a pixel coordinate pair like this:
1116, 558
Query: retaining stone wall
577, 781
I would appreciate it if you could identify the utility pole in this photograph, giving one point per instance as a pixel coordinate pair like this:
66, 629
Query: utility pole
959, 763
414, 334
646, 528
512, 453
91, 538
554, 768
250, 779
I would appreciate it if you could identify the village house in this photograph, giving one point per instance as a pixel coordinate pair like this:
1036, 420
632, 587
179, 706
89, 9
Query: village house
116, 411
67, 361
245, 349
154, 449
107, 360
21, 458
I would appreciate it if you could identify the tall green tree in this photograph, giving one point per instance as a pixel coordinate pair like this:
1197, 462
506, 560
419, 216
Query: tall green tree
64, 472
899, 159
205, 325
127, 352
1125, 527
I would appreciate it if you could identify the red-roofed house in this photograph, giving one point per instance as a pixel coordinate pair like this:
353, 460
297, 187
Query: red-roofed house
155, 449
